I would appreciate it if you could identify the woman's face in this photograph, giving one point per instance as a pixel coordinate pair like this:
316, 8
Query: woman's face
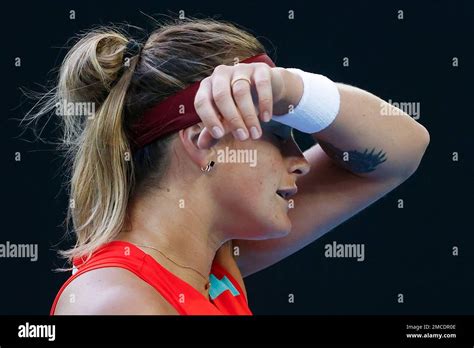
254, 181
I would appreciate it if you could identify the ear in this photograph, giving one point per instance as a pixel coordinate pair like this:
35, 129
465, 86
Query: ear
189, 138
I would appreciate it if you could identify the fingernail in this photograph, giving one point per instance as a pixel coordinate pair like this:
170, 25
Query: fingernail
254, 132
266, 116
240, 133
217, 132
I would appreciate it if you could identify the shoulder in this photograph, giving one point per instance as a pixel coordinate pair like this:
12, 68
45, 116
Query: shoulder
111, 291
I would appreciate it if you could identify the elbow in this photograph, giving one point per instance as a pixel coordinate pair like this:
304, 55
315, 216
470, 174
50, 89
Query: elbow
425, 137
424, 141
418, 151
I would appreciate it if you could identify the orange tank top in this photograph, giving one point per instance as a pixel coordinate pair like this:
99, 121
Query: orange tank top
226, 295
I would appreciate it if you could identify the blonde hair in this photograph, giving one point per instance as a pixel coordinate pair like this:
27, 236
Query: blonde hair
104, 174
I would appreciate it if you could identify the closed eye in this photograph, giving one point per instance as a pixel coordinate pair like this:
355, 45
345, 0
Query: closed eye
287, 136
280, 138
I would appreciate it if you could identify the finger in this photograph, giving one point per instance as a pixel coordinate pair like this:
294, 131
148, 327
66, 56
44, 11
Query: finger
206, 109
224, 101
206, 140
263, 83
241, 91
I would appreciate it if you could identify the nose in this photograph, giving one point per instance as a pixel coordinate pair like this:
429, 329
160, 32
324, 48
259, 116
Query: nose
298, 164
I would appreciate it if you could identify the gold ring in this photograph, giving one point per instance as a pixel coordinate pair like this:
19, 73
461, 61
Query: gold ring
240, 78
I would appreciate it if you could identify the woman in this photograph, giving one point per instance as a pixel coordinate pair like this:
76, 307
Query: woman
169, 212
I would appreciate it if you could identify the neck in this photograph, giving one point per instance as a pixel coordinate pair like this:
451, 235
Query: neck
181, 227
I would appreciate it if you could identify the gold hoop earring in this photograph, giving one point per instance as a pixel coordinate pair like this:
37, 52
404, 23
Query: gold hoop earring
208, 167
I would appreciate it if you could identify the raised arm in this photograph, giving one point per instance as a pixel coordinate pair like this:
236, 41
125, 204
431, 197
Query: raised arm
368, 150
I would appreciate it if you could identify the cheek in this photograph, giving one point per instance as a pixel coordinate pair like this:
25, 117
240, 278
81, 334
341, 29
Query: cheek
246, 184
251, 182
247, 195
261, 175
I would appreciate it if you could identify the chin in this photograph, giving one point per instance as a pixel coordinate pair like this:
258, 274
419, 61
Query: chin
279, 234
278, 229
279, 226
283, 231
262, 226
270, 230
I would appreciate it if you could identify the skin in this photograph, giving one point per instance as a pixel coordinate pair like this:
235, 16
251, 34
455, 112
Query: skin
330, 190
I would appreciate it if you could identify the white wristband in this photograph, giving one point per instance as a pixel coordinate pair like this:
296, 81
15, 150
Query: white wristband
318, 106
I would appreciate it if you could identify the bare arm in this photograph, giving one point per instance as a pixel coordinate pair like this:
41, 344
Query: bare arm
360, 157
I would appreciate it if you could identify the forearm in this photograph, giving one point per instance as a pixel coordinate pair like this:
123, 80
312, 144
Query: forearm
361, 139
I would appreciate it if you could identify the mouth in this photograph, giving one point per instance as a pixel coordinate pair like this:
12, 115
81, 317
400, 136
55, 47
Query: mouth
279, 195
287, 193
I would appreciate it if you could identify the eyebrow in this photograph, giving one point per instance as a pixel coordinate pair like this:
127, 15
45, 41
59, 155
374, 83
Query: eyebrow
274, 126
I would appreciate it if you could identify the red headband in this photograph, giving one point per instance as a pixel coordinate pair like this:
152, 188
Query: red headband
175, 112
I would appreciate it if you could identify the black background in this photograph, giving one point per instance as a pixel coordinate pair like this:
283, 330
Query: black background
408, 250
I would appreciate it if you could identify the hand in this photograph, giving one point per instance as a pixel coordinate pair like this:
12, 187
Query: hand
238, 108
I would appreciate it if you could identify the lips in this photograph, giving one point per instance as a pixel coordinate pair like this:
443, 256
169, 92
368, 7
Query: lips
287, 193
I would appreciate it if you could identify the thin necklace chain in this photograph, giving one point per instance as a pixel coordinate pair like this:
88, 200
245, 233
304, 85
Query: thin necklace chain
206, 286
